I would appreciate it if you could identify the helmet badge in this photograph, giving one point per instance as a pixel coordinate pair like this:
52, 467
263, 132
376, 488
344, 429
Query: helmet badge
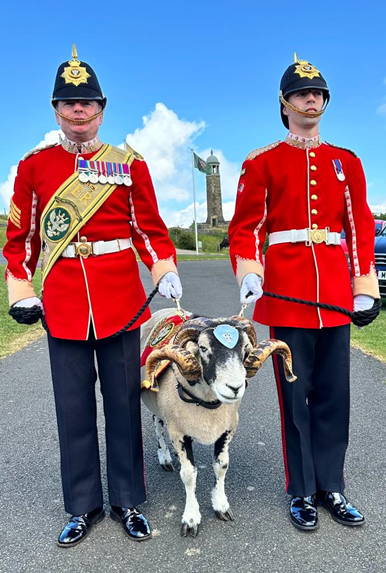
305, 69
75, 73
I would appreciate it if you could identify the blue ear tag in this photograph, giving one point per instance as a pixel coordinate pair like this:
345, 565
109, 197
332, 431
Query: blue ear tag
227, 335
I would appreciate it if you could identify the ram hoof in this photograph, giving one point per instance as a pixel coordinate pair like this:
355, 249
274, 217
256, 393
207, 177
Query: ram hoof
168, 467
187, 530
225, 516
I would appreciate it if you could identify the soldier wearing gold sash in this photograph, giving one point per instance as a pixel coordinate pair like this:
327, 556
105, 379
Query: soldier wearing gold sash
85, 204
302, 192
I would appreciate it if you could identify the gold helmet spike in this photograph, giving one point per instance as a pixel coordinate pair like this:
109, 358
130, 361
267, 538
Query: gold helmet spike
296, 59
74, 52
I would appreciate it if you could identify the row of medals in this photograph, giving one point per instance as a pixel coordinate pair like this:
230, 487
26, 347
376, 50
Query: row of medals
105, 172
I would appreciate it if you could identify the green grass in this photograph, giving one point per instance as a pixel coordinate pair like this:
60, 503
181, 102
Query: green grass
203, 257
14, 336
2, 237
372, 338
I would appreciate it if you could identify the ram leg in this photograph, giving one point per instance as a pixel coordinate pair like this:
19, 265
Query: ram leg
220, 502
191, 518
164, 456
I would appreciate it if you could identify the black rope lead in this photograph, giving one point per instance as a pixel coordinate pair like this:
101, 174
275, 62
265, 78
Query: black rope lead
129, 324
135, 318
359, 317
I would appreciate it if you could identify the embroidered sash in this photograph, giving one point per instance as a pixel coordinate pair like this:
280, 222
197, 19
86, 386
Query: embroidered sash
73, 204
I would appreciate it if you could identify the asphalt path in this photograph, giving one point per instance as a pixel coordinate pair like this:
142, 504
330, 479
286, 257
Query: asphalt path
260, 539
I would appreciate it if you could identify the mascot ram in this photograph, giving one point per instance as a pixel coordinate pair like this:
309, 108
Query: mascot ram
196, 370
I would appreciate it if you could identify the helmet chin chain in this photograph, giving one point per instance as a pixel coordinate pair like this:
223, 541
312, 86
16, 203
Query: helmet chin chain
299, 111
78, 121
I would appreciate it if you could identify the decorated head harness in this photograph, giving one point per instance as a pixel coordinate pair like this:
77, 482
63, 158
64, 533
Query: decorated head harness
301, 75
76, 80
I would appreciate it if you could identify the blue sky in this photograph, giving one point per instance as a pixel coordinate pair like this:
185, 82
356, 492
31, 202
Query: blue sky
202, 75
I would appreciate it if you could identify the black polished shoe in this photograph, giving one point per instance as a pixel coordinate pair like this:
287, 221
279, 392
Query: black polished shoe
303, 513
79, 526
340, 508
133, 522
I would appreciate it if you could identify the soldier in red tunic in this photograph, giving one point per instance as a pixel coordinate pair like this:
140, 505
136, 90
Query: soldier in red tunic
302, 193
86, 204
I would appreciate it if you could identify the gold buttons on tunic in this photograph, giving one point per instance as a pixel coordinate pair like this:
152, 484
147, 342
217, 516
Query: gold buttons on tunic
312, 154
314, 212
313, 168
314, 197
313, 182
314, 226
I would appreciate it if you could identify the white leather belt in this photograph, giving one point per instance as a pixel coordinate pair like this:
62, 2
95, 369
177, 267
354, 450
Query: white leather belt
307, 236
84, 249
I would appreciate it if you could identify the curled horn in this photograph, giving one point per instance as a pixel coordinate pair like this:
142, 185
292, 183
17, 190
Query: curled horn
187, 363
259, 355
191, 329
247, 325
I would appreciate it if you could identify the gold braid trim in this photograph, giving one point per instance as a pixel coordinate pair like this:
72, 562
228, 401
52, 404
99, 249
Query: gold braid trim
299, 111
78, 121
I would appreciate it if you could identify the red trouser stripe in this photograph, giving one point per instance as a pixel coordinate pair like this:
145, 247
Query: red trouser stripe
280, 397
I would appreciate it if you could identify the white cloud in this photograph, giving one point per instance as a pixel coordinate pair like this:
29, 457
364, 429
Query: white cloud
6, 188
378, 208
381, 110
165, 141
50, 138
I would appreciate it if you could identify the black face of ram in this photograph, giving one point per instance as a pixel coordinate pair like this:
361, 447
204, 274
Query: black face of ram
215, 356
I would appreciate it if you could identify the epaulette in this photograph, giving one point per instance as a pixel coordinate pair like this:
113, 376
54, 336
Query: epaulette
135, 153
37, 150
261, 150
344, 148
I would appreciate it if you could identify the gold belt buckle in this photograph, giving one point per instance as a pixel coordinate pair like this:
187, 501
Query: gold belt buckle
84, 250
318, 236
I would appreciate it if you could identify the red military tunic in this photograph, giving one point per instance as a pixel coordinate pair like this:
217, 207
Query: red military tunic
105, 289
291, 185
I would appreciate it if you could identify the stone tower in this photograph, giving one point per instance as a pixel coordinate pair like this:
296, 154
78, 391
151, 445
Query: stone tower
213, 192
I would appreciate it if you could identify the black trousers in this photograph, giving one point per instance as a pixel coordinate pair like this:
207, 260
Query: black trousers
315, 408
74, 376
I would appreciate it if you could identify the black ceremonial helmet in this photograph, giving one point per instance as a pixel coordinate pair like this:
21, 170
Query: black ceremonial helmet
298, 76
76, 80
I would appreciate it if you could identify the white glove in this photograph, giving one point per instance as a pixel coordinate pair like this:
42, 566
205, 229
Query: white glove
251, 283
170, 286
363, 302
29, 302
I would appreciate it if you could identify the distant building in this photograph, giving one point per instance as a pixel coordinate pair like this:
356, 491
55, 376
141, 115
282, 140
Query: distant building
215, 217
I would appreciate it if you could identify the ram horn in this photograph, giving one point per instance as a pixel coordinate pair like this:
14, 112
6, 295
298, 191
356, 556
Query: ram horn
187, 363
191, 329
247, 325
264, 349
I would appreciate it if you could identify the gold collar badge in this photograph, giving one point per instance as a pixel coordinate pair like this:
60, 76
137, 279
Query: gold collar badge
305, 69
75, 73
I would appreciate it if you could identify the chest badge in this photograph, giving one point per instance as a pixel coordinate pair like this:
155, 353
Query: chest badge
338, 169
57, 223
